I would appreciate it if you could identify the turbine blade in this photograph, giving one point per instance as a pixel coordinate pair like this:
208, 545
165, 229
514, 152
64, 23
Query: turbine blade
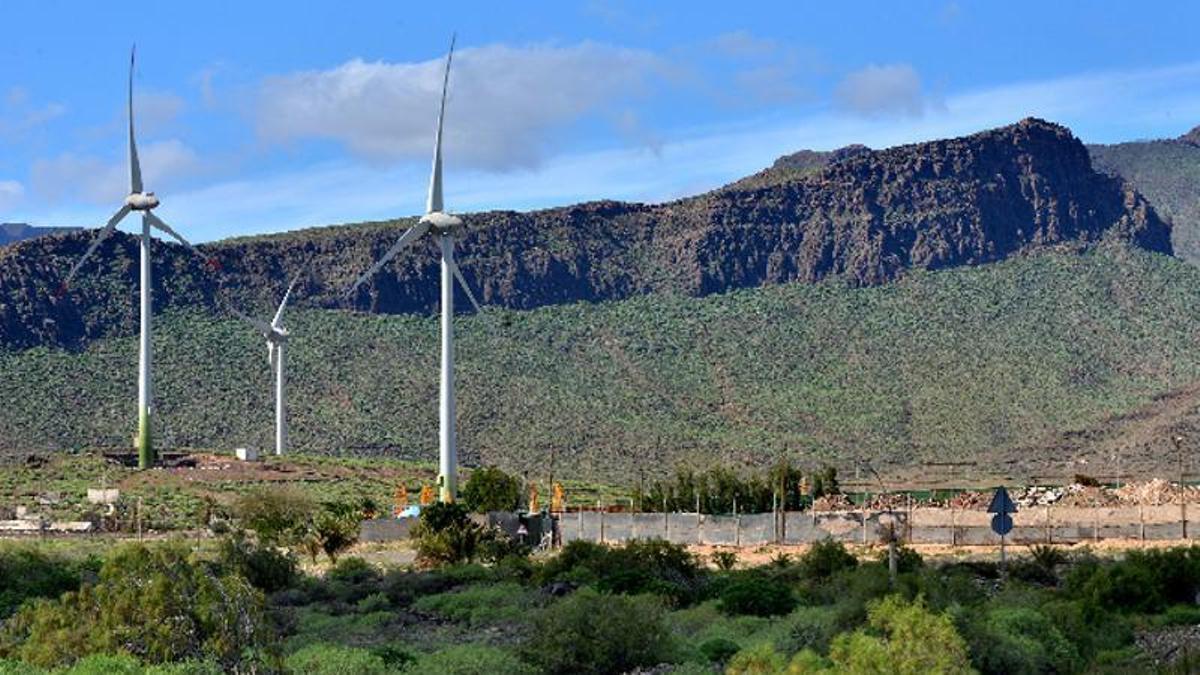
282, 305
435, 179
463, 282
405, 239
159, 224
135, 167
100, 237
257, 323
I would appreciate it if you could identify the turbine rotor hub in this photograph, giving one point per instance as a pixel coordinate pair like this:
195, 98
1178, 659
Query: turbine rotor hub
443, 223
141, 201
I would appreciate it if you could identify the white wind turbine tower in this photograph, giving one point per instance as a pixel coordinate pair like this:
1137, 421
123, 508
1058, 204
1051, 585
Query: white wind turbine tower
276, 336
446, 228
139, 200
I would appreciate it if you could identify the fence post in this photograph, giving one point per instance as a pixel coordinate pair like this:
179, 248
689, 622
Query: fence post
866, 498
1096, 524
1183, 516
737, 529
1142, 523
953, 527
1046, 525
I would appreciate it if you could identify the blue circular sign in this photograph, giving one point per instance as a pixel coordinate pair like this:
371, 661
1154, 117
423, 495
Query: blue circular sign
1002, 524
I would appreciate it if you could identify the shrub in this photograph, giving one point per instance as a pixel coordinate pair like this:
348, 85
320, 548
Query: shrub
480, 604
323, 659
352, 571
719, 650
154, 603
907, 560
277, 515
446, 535
825, 558
1019, 640
490, 489
265, 567
761, 659
470, 660
808, 628
592, 632
724, 560
756, 595
638, 566
334, 529
914, 641
26, 572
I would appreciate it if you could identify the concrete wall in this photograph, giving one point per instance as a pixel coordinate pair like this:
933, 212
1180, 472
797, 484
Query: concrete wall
1053, 525
1033, 525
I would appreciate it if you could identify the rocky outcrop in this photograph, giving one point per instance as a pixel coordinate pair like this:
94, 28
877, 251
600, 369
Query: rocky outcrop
866, 217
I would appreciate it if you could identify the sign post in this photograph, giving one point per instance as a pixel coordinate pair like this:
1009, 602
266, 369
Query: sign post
1002, 506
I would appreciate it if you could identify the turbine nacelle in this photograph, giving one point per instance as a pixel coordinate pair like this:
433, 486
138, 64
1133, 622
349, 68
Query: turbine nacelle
443, 223
141, 201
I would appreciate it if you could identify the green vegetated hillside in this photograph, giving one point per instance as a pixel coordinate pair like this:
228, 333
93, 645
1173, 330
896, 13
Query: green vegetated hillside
990, 363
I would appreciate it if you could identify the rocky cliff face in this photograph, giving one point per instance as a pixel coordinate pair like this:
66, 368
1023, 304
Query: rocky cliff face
867, 216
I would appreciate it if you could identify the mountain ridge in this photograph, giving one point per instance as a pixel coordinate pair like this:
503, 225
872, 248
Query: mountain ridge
868, 219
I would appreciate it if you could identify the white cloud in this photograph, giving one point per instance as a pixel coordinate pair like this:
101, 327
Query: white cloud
1099, 107
19, 115
882, 90
92, 179
11, 193
506, 103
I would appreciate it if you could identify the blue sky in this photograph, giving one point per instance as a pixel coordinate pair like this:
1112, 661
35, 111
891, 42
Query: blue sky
267, 116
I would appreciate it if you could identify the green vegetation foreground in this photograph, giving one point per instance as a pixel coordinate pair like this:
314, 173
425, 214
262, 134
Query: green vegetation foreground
476, 605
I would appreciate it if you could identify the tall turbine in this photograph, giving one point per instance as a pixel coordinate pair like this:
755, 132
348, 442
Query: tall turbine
139, 200
446, 228
276, 336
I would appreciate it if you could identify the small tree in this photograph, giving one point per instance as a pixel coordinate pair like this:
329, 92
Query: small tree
914, 641
491, 489
277, 515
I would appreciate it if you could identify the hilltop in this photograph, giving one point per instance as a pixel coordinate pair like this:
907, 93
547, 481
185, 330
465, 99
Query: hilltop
867, 219
1167, 172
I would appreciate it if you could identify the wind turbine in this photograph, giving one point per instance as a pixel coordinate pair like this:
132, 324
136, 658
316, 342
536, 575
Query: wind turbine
145, 202
446, 228
276, 336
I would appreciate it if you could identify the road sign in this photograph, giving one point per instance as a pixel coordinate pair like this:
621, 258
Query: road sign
1001, 502
1002, 505
1002, 524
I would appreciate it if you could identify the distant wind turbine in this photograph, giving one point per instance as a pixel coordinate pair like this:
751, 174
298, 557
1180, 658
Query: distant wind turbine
276, 336
139, 200
447, 228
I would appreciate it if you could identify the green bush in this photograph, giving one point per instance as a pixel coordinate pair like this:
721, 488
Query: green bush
638, 566
719, 650
323, 659
1019, 641
760, 659
596, 633
724, 560
352, 571
757, 595
826, 558
446, 535
905, 638
480, 604
265, 567
153, 602
470, 660
490, 489
26, 572
808, 628
278, 515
